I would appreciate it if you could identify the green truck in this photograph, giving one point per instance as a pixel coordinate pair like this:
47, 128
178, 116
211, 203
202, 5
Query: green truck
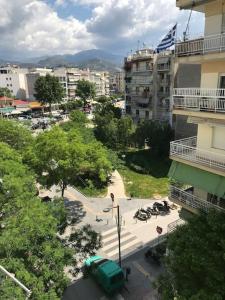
106, 272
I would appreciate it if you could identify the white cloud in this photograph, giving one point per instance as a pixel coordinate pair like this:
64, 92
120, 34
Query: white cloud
33, 27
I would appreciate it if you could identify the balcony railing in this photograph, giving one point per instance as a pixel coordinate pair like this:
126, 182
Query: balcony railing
211, 100
187, 149
188, 198
200, 46
163, 67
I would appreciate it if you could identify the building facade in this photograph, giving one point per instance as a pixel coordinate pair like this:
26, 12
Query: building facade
14, 79
199, 161
139, 84
21, 81
148, 82
117, 83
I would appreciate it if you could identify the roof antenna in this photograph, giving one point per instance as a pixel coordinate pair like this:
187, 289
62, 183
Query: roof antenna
186, 32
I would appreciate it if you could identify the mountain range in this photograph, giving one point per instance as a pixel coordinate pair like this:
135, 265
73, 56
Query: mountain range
94, 59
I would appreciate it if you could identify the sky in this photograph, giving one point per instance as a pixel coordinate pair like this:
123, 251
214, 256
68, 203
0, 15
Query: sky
33, 28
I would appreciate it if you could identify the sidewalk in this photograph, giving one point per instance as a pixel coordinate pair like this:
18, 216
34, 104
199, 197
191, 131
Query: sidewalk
117, 186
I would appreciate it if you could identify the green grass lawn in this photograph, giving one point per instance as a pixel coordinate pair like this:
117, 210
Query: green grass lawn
144, 174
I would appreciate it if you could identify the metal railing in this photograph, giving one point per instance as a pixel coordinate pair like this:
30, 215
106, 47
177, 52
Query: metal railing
188, 150
202, 45
200, 99
173, 225
191, 200
163, 67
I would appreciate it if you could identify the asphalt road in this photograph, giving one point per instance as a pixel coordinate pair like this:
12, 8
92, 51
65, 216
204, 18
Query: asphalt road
139, 286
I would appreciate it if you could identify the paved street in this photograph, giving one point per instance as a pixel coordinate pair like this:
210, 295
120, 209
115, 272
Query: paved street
136, 237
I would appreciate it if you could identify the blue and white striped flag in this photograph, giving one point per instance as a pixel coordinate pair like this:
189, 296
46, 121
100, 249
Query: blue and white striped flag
168, 41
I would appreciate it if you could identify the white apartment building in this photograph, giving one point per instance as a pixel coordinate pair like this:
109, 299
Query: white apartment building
21, 81
14, 79
101, 81
199, 161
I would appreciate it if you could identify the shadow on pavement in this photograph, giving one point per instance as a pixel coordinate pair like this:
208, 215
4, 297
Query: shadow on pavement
83, 289
75, 210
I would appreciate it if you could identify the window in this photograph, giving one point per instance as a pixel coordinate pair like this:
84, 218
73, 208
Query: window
146, 114
137, 112
222, 82
223, 23
218, 140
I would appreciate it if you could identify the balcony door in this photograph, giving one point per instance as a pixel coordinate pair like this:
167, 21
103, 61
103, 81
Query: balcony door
222, 82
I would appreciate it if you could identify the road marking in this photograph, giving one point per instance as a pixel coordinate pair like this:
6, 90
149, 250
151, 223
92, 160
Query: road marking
124, 247
108, 232
142, 270
112, 245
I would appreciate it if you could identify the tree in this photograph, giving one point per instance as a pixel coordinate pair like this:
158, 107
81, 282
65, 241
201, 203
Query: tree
78, 117
5, 92
63, 158
157, 135
85, 90
49, 90
113, 132
29, 247
15, 134
196, 261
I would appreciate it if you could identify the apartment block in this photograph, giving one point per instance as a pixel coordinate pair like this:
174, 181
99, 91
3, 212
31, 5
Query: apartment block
139, 84
14, 79
148, 81
117, 83
162, 83
198, 167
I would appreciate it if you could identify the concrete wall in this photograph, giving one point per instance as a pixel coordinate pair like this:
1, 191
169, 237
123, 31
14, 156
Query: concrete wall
211, 138
187, 75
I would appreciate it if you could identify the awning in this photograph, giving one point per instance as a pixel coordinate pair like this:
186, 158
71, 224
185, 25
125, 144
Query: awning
209, 182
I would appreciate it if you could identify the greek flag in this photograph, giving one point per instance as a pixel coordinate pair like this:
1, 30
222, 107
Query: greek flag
168, 41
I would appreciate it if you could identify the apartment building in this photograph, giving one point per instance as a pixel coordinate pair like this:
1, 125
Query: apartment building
14, 79
117, 83
163, 81
31, 76
101, 81
148, 81
138, 69
198, 166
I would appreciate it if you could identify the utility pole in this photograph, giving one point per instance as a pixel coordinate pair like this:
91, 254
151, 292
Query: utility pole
118, 225
118, 231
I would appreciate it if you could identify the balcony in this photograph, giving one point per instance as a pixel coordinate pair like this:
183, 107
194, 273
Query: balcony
197, 99
187, 198
187, 150
163, 67
201, 46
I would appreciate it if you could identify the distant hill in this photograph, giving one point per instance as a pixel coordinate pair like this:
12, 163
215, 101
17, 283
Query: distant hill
94, 59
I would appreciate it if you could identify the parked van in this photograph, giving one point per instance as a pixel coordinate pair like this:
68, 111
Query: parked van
106, 272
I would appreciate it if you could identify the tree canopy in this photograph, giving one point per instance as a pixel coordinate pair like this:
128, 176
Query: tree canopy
63, 158
14, 134
4, 91
29, 247
49, 90
157, 135
196, 260
85, 90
